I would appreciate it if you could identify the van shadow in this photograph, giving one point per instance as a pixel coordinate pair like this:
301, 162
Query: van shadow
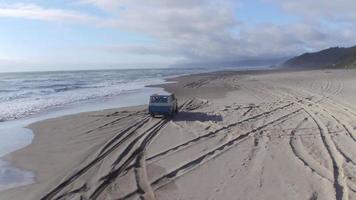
196, 116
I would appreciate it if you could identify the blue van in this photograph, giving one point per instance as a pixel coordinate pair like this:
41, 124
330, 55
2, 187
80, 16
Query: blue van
163, 104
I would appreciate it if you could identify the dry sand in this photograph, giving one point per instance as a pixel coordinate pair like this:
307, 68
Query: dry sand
252, 135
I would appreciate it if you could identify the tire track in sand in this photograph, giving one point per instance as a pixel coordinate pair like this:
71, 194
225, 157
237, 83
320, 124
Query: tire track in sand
299, 152
137, 149
79, 172
340, 185
213, 133
209, 135
193, 164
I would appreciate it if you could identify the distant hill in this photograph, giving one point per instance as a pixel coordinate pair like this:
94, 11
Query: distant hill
335, 57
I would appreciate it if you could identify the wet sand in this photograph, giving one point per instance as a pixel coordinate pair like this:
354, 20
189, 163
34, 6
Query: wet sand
239, 135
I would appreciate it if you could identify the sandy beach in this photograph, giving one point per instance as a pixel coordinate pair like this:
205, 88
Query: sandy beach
271, 135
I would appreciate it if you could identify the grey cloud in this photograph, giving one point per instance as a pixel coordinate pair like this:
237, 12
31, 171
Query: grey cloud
209, 31
340, 10
139, 49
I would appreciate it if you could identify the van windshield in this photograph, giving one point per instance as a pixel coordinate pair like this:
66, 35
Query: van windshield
159, 99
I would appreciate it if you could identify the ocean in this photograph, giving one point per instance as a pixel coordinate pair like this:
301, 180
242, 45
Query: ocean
26, 94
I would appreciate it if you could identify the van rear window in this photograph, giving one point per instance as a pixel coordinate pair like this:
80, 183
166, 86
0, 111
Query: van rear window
159, 99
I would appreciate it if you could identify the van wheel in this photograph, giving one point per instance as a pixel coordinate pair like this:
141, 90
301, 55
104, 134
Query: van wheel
176, 111
152, 115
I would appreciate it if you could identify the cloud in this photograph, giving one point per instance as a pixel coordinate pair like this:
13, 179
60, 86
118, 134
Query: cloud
322, 23
338, 11
182, 19
103, 4
35, 12
192, 29
208, 30
140, 49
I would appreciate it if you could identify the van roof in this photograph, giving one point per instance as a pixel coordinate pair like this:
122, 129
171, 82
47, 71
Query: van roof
162, 94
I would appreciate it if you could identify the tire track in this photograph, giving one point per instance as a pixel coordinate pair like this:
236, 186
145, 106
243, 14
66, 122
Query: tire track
113, 122
137, 148
347, 158
340, 87
53, 192
213, 133
246, 112
344, 108
219, 150
193, 164
139, 141
340, 185
349, 130
142, 183
128, 132
115, 172
337, 158
339, 107
295, 144
209, 135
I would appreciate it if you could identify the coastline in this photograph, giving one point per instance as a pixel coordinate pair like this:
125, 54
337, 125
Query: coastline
60, 145
30, 158
20, 127
20, 159
20, 135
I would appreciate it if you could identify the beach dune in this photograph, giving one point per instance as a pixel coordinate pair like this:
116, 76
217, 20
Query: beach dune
277, 135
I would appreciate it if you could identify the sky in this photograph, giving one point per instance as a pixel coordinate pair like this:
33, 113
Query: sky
111, 34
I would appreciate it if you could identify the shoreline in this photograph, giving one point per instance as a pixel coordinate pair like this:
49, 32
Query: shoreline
11, 157
21, 160
26, 135
73, 140
25, 124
